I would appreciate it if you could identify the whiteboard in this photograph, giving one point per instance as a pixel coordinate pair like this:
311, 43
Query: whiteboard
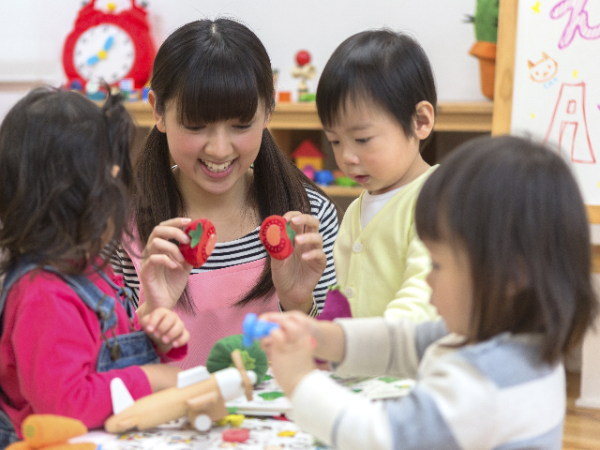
556, 90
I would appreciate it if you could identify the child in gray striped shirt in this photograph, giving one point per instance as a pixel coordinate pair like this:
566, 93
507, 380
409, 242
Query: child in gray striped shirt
508, 234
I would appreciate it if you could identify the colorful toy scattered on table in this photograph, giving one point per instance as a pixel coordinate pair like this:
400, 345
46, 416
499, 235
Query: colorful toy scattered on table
277, 236
203, 238
253, 356
255, 328
236, 435
42, 431
199, 396
304, 70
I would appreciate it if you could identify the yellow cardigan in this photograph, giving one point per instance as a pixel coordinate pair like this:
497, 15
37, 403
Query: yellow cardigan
383, 267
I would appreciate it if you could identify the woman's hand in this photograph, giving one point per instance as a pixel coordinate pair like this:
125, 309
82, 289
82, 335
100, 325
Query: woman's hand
165, 329
296, 277
163, 270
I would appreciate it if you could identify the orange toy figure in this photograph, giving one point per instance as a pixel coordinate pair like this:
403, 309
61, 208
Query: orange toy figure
203, 237
45, 431
277, 236
202, 399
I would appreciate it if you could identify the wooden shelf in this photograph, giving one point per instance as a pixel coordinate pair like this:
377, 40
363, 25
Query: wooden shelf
451, 116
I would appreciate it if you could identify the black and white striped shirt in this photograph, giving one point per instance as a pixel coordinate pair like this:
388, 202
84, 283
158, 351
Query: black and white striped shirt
248, 249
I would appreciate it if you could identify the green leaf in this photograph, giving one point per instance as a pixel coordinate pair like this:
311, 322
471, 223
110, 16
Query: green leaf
196, 235
291, 233
271, 395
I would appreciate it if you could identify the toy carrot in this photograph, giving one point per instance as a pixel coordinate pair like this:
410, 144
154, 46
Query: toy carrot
41, 430
277, 236
74, 446
20, 445
203, 239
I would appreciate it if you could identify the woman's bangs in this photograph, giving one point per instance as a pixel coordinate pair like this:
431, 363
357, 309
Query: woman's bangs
217, 92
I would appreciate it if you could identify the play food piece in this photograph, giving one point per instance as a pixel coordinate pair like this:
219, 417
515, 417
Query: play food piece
203, 238
74, 446
277, 236
254, 357
254, 329
236, 435
19, 445
42, 430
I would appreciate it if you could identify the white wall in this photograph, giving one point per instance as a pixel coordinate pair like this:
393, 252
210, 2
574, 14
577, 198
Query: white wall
32, 33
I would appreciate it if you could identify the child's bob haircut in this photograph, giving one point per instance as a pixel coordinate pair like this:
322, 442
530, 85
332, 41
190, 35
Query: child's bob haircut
387, 68
61, 199
515, 208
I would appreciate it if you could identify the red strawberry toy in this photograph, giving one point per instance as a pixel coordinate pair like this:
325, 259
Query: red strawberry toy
203, 237
277, 236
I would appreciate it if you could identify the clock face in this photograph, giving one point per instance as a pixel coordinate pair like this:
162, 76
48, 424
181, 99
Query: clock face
104, 52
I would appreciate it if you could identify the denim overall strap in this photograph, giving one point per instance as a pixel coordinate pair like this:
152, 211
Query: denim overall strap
117, 352
8, 434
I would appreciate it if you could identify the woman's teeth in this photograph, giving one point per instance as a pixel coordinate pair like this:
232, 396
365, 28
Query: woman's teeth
217, 167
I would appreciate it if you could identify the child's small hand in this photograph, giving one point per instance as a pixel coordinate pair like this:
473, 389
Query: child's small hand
163, 270
290, 348
165, 328
296, 277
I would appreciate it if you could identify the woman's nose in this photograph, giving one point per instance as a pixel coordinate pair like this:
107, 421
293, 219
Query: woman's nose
218, 144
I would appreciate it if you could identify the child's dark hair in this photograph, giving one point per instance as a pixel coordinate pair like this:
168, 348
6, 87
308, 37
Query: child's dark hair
387, 68
515, 208
215, 70
59, 200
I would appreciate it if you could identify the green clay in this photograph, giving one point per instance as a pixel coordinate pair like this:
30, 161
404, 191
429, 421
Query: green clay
254, 358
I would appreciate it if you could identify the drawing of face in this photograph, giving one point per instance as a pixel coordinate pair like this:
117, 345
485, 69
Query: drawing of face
543, 70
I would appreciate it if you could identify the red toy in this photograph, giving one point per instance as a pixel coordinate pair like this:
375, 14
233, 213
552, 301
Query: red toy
277, 236
236, 435
109, 46
203, 238
302, 57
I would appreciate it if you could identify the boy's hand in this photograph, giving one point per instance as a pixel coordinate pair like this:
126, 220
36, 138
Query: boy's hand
165, 329
296, 277
290, 348
163, 270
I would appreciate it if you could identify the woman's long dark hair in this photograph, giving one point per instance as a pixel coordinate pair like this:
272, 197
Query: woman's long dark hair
59, 200
215, 70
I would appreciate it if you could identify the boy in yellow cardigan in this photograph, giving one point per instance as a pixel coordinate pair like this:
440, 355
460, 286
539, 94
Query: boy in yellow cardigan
376, 99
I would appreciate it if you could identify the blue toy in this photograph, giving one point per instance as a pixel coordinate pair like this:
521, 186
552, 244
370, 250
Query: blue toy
254, 328
324, 177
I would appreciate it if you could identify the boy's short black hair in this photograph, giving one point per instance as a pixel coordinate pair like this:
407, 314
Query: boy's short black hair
384, 67
516, 209
59, 200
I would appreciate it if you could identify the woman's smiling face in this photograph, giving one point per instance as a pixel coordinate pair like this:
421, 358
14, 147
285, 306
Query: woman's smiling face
213, 156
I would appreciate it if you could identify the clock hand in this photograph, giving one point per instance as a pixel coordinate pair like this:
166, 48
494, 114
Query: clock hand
102, 53
93, 60
108, 44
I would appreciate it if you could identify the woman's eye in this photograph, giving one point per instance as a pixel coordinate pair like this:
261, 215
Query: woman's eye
194, 128
242, 127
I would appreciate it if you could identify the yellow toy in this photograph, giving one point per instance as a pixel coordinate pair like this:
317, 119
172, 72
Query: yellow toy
199, 396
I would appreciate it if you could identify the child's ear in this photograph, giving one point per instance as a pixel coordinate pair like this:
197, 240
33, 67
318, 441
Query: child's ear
424, 119
160, 123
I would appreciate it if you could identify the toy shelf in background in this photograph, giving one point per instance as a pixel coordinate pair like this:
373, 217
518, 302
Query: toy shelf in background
109, 47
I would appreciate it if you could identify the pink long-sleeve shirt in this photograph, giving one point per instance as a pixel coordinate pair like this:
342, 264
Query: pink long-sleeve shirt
49, 348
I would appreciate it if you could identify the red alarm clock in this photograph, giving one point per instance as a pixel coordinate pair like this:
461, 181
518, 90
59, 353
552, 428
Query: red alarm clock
105, 46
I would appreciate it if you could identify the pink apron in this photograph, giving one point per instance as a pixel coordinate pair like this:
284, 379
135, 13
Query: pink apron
214, 295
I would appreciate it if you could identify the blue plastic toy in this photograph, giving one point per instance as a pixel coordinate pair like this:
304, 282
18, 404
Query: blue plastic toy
254, 328
324, 177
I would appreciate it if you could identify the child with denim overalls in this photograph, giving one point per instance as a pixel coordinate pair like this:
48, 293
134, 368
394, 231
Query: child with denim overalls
68, 327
